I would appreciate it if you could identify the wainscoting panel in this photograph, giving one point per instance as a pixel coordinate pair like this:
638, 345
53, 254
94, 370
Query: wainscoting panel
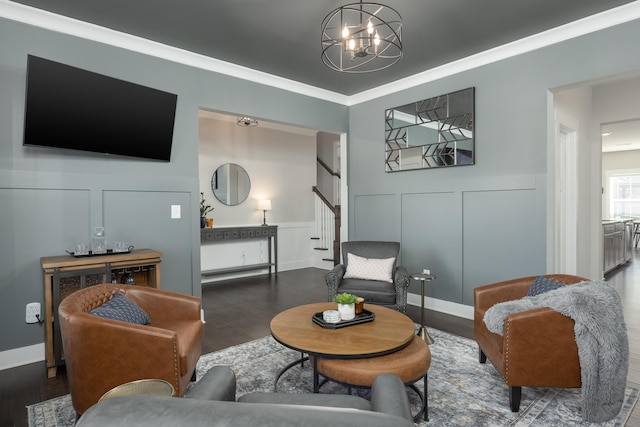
143, 218
432, 239
217, 255
295, 245
376, 217
34, 223
504, 237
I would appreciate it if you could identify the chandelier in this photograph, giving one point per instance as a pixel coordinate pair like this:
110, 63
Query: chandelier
361, 38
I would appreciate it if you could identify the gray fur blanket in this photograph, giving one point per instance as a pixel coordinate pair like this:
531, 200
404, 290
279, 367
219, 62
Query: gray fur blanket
601, 338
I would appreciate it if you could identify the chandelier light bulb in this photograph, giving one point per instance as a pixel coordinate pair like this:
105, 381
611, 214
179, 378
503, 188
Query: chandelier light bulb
352, 44
345, 32
376, 39
369, 27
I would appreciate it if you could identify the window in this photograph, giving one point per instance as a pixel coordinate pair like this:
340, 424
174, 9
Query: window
624, 196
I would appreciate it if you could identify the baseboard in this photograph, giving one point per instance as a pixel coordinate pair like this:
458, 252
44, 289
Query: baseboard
21, 356
295, 264
447, 307
282, 266
324, 265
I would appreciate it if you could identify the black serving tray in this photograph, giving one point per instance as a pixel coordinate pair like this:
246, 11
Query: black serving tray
364, 317
109, 252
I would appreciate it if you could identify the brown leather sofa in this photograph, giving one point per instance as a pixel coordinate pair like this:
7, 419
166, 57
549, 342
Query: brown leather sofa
103, 353
538, 348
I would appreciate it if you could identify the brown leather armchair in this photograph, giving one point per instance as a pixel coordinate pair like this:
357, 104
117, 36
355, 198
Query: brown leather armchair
538, 348
103, 353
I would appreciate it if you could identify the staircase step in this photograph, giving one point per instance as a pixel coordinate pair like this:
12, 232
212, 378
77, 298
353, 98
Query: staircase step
315, 238
327, 259
321, 249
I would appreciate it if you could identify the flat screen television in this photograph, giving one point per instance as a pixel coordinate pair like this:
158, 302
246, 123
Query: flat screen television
67, 107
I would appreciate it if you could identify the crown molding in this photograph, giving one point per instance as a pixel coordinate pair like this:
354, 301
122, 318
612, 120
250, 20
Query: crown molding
62, 24
590, 24
65, 25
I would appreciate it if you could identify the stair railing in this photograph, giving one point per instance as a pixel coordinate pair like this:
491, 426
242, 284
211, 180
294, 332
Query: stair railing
327, 227
335, 180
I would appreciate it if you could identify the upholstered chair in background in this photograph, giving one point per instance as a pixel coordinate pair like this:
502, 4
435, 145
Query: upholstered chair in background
369, 270
102, 353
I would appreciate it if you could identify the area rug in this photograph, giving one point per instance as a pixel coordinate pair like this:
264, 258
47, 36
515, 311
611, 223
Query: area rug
462, 392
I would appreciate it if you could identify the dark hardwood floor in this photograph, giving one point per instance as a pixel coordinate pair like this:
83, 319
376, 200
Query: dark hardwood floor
626, 280
240, 310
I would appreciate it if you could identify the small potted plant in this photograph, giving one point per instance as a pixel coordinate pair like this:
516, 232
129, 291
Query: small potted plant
346, 305
204, 210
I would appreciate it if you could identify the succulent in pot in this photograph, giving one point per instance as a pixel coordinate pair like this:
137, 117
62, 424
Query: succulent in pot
346, 305
345, 298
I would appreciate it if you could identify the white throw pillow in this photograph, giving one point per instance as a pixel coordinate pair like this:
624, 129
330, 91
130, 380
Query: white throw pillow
369, 268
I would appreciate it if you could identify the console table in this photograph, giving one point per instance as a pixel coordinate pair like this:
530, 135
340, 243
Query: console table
232, 234
66, 274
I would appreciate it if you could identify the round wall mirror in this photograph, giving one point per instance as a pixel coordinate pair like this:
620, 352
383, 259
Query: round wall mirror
230, 184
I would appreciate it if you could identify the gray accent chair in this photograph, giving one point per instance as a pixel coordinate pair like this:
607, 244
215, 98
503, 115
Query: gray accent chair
211, 403
392, 295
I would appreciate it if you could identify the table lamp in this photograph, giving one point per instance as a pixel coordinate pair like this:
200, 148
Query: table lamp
264, 205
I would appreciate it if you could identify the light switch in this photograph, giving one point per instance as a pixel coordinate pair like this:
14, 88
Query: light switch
175, 211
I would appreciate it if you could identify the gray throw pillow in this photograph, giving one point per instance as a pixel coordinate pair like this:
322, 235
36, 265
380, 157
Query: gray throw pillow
123, 309
542, 285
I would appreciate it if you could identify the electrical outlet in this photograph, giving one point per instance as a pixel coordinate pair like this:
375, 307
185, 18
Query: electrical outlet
33, 312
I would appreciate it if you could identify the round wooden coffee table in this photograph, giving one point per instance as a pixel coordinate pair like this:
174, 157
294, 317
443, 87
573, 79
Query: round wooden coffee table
390, 331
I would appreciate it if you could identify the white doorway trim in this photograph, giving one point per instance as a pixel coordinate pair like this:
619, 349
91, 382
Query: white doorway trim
565, 193
344, 190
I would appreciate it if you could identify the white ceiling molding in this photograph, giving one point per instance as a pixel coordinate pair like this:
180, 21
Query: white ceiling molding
610, 18
61, 24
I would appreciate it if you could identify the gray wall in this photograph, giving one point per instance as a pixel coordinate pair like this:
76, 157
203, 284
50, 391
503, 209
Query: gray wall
470, 225
49, 199
473, 225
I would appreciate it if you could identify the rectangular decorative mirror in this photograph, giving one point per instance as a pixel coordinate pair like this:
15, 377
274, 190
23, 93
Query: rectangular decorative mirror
432, 133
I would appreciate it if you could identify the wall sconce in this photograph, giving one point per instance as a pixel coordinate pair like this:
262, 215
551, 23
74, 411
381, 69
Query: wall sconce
264, 205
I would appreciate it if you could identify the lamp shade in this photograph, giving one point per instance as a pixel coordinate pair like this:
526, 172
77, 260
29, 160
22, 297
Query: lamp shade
264, 205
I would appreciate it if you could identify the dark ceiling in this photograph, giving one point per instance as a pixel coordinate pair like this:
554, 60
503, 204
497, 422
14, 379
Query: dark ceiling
282, 37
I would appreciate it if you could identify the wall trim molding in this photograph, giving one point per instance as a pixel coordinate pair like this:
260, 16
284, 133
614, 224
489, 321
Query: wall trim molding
447, 307
64, 25
590, 24
61, 24
21, 356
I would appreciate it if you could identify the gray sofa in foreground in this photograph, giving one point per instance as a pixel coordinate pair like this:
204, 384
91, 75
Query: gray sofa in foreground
211, 402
